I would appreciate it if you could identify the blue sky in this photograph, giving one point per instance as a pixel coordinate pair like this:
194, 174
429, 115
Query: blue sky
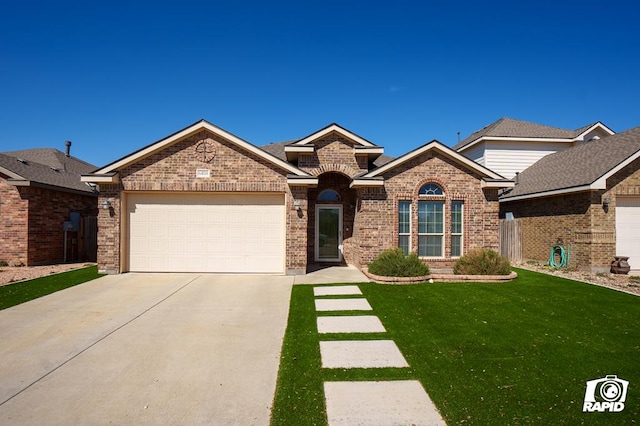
115, 76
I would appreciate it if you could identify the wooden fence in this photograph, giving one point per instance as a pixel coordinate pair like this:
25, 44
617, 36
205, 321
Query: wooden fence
511, 239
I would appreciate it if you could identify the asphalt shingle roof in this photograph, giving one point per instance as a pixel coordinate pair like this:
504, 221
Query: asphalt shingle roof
509, 127
48, 166
578, 166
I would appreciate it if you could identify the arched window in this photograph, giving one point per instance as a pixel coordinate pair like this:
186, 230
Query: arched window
329, 195
430, 189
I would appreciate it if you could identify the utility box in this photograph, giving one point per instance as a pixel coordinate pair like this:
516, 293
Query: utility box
67, 225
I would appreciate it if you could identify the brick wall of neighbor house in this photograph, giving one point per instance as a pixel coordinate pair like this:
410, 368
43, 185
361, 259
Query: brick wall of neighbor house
13, 226
377, 215
232, 170
564, 217
48, 210
579, 219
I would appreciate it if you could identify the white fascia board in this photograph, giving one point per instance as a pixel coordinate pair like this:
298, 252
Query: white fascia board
11, 174
459, 158
548, 193
19, 182
369, 150
334, 128
595, 126
366, 183
308, 148
202, 125
512, 139
96, 178
497, 184
601, 182
310, 181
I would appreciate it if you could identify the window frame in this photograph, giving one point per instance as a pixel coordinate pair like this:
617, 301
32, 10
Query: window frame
400, 223
459, 222
426, 235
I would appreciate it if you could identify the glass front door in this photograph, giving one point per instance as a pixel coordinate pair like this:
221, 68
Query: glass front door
328, 233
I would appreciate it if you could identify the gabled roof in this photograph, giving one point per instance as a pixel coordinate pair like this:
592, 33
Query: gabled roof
46, 168
518, 129
109, 170
305, 145
277, 149
490, 178
581, 168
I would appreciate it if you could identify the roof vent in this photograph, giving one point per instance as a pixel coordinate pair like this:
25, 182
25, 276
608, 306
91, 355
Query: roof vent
55, 169
68, 150
593, 138
22, 160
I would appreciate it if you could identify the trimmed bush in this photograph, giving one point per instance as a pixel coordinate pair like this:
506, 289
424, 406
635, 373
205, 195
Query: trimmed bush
479, 261
393, 263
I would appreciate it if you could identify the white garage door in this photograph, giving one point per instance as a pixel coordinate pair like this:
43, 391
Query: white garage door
206, 233
628, 229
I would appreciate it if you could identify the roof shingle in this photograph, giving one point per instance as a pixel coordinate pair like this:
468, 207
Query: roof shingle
578, 166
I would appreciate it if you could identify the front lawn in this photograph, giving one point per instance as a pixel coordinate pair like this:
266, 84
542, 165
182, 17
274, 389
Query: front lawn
494, 353
14, 294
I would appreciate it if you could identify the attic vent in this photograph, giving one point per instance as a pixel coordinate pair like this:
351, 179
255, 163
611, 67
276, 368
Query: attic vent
22, 160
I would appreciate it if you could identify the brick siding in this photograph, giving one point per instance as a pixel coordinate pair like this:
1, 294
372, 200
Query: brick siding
32, 219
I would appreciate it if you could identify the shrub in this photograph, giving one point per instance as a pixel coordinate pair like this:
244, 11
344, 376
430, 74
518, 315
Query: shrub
394, 263
481, 261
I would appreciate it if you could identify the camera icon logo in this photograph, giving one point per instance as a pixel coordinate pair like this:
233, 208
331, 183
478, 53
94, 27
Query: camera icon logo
606, 394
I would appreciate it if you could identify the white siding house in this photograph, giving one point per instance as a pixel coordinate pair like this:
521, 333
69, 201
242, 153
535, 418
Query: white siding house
510, 146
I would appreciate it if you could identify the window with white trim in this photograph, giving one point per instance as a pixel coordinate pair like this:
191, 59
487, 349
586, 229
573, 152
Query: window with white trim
431, 228
404, 226
457, 216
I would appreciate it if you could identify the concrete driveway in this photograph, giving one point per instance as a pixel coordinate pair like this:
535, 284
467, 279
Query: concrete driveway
145, 349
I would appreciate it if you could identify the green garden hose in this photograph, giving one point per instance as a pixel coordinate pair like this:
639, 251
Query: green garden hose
564, 256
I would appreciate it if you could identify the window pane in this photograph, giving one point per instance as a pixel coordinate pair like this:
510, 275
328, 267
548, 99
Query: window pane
404, 217
430, 217
456, 217
430, 189
430, 245
329, 195
403, 243
456, 248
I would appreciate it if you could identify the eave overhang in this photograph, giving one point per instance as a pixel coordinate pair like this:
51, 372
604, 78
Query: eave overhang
367, 183
34, 184
308, 181
112, 177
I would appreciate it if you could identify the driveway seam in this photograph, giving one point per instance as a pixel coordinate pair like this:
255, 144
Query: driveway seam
97, 341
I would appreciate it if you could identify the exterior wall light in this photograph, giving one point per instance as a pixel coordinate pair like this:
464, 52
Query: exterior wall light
296, 205
106, 204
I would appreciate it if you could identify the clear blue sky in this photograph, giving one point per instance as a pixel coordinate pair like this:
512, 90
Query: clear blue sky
114, 76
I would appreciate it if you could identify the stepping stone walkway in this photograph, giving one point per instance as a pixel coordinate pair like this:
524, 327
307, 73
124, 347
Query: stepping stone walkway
394, 402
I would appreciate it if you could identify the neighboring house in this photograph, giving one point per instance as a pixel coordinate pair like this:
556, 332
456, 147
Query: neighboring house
204, 200
509, 146
40, 190
587, 196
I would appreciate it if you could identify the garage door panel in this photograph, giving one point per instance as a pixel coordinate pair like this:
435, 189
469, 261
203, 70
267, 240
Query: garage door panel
206, 233
628, 229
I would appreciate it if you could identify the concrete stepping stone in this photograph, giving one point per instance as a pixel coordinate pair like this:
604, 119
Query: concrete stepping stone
398, 402
336, 290
361, 354
359, 304
350, 324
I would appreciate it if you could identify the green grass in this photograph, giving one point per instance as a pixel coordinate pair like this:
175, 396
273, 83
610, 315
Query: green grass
14, 294
495, 353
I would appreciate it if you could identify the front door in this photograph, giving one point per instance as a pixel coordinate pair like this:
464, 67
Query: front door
328, 233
